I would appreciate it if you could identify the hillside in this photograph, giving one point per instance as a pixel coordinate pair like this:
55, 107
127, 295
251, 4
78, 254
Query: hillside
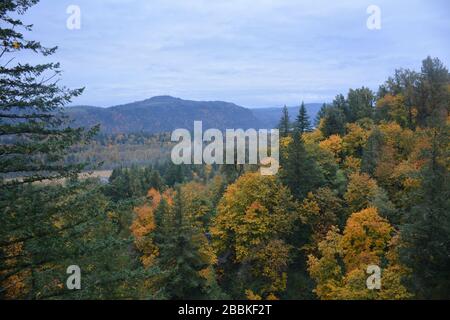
165, 113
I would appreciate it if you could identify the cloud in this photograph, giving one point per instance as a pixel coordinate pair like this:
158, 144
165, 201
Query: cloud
255, 53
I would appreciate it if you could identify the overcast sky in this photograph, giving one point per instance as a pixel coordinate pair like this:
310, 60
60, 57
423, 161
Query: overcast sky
256, 53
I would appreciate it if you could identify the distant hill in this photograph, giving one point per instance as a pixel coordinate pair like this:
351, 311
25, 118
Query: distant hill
166, 113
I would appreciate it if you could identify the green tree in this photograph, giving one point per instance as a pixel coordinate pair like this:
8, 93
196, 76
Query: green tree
360, 104
434, 95
341, 104
333, 122
185, 260
156, 181
426, 233
299, 171
303, 124
285, 125
372, 152
45, 229
321, 114
34, 132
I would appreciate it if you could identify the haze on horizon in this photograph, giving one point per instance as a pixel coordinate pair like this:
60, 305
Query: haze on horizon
267, 54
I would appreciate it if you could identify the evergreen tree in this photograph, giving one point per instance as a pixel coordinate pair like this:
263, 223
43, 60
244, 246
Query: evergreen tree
46, 229
321, 114
180, 260
156, 181
34, 132
303, 123
334, 122
434, 96
342, 105
285, 125
299, 171
174, 174
426, 235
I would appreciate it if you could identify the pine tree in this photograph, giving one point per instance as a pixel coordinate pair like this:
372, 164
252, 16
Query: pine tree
342, 105
45, 229
156, 181
181, 261
299, 171
426, 234
321, 114
34, 132
303, 124
174, 174
285, 125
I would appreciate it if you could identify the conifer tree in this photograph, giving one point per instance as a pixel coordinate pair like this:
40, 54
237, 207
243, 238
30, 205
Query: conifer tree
303, 124
321, 114
285, 125
299, 171
426, 234
46, 229
334, 122
186, 271
34, 132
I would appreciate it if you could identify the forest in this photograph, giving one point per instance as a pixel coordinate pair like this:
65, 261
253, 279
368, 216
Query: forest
364, 184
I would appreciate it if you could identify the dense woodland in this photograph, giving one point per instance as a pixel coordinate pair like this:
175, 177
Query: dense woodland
366, 183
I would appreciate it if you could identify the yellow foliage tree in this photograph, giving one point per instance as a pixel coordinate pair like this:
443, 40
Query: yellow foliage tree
367, 240
333, 144
355, 140
361, 190
352, 165
254, 216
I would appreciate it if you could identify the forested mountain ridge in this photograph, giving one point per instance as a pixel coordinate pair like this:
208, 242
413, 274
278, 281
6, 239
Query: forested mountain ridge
166, 113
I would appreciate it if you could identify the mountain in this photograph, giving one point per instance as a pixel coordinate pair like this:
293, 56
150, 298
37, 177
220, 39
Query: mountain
166, 113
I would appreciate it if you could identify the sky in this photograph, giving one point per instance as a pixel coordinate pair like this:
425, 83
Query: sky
255, 53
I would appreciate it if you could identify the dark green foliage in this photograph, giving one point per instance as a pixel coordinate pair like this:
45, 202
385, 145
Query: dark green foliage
371, 152
360, 104
133, 182
56, 227
341, 104
179, 241
434, 95
303, 124
174, 174
321, 114
426, 234
300, 171
285, 125
334, 122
